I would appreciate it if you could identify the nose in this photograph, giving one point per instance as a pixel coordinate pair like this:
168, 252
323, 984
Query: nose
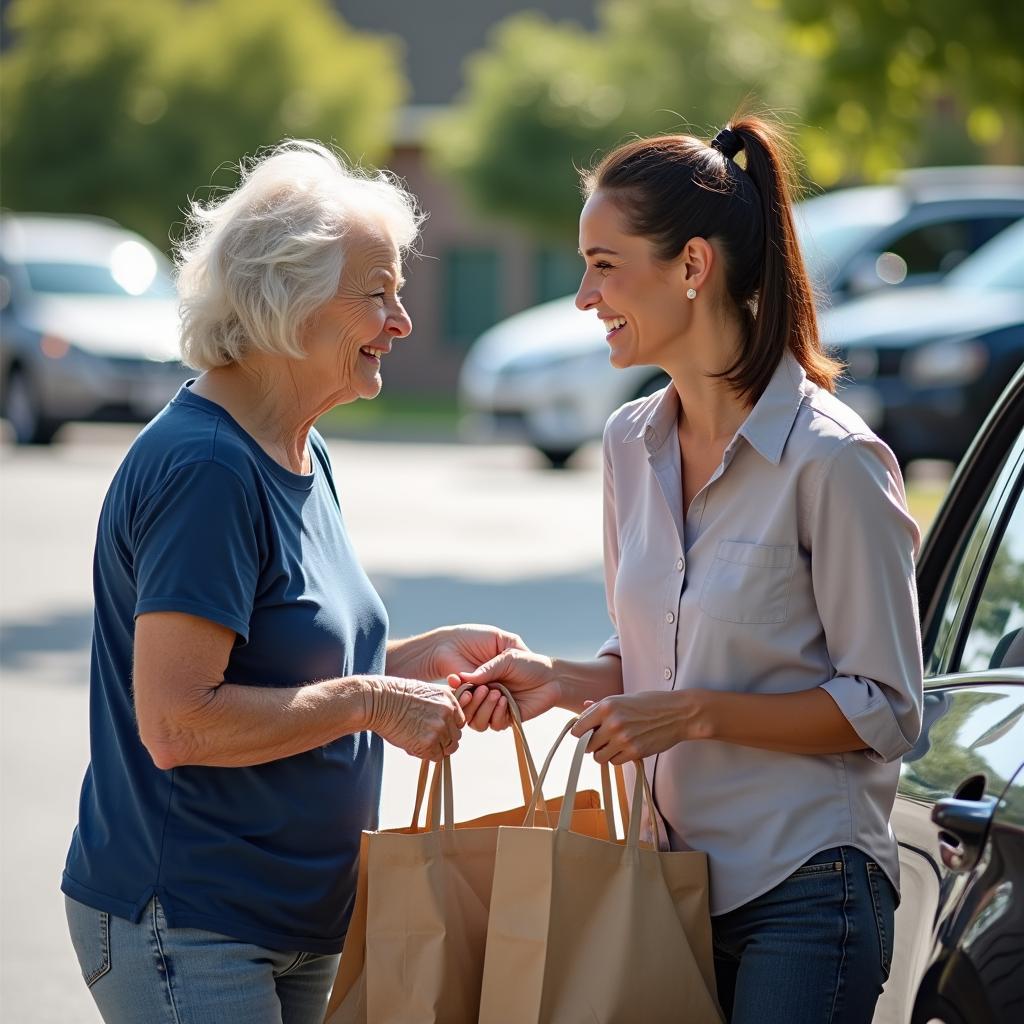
588, 296
399, 324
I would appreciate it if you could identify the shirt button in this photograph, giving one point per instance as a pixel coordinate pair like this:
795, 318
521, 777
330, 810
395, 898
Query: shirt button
669, 617
679, 565
668, 673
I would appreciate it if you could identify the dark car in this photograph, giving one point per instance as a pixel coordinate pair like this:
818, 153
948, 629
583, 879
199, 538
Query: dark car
959, 812
911, 232
88, 324
925, 365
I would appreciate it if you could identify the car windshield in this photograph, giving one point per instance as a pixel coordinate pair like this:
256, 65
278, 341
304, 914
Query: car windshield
996, 266
832, 227
131, 272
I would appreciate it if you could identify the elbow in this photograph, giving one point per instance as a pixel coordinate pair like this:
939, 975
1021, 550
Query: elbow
165, 758
167, 748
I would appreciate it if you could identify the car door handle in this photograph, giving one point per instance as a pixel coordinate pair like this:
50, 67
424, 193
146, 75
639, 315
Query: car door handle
963, 826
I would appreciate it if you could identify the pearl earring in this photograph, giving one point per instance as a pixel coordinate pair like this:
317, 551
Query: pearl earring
691, 293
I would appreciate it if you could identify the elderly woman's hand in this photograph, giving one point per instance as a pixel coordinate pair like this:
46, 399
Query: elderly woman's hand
424, 719
465, 647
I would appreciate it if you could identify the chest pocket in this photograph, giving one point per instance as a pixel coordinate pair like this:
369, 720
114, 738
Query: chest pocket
749, 583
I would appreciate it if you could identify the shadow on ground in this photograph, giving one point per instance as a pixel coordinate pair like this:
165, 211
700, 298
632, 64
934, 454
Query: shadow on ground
563, 615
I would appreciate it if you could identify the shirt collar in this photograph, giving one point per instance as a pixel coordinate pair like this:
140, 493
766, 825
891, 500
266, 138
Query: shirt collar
766, 428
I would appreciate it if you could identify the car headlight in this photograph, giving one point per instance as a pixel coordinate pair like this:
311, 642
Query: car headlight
945, 363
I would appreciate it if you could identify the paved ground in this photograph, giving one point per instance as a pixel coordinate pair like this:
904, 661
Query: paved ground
447, 533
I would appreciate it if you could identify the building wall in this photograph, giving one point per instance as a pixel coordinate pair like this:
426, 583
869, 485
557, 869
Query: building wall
461, 250
472, 272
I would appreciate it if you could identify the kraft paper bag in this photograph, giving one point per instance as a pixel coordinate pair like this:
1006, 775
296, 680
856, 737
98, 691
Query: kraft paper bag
594, 930
415, 946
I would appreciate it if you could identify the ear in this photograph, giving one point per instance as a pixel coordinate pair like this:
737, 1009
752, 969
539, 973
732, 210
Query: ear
695, 262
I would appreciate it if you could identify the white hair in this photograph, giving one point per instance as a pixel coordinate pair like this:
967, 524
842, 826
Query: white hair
256, 264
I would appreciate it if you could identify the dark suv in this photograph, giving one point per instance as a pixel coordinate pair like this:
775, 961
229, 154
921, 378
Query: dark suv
925, 365
912, 232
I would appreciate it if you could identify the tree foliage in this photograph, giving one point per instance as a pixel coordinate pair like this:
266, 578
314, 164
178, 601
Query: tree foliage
868, 85
125, 109
899, 82
545, 98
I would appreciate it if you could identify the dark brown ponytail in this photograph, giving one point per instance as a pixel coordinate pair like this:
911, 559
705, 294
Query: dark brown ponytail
674, 188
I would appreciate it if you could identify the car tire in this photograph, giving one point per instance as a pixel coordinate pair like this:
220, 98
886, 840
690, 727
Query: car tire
23, 411
557, 458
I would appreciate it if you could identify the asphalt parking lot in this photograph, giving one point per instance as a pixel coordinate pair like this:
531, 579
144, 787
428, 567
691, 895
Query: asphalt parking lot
448, 533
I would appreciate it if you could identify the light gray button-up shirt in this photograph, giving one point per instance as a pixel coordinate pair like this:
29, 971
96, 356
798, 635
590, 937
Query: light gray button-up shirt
792, 568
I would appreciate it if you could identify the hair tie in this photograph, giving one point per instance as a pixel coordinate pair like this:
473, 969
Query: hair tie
728, 143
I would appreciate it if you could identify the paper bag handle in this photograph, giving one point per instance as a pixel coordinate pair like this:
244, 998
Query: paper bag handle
524, 758
565, 817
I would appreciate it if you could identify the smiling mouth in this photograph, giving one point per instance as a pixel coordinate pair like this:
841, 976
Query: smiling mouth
373, 354
613, 326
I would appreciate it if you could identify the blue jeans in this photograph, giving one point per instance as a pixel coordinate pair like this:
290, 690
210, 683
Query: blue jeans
816, 949
147, 973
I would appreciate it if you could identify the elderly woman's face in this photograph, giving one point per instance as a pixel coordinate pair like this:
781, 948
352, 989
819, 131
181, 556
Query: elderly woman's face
355, 330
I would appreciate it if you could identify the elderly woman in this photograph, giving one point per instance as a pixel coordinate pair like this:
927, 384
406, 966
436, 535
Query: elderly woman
242, 679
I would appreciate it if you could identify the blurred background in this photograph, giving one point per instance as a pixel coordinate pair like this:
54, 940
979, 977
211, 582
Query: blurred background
910, 120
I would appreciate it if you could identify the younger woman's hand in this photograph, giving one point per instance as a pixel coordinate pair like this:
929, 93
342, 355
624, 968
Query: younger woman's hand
630, 727
527, 674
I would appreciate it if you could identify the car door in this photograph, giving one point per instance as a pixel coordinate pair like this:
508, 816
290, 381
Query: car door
959, 951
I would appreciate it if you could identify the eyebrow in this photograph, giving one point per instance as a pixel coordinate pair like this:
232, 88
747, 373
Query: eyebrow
598, 250
384, 272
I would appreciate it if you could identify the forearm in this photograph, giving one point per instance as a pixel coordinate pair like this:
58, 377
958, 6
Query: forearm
808, 722
412, 657
233, 726
579, 681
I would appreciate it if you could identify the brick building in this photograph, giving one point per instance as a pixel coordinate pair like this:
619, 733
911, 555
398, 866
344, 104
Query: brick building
477, 272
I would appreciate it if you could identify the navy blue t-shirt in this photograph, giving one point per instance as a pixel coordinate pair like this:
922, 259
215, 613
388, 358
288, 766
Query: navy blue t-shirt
199, 519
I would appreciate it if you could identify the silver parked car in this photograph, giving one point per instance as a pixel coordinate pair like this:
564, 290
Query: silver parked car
88, 324
543, 375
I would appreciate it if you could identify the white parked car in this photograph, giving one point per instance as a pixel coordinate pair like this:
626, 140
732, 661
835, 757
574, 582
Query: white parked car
88, 324
543, 375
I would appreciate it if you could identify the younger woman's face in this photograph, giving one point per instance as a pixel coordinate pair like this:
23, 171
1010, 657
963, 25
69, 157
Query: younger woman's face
641, 300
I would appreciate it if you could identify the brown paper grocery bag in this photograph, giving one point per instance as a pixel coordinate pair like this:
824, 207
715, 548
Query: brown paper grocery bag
596, 931
415, 945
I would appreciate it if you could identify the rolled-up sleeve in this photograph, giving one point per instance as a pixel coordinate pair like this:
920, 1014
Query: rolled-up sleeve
611, 546
863, 545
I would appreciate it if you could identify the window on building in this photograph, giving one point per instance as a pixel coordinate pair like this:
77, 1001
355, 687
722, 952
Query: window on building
558, 270
472, 293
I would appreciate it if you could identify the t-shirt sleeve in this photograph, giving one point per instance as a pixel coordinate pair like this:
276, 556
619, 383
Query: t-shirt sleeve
195, 548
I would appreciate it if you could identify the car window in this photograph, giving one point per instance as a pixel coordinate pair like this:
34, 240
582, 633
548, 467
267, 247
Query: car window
962, 564
937, 248
994, 631
54, 278
998, 264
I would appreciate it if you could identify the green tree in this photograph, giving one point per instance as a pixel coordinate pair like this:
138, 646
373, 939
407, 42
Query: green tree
545, 98
125, 109
900, 82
